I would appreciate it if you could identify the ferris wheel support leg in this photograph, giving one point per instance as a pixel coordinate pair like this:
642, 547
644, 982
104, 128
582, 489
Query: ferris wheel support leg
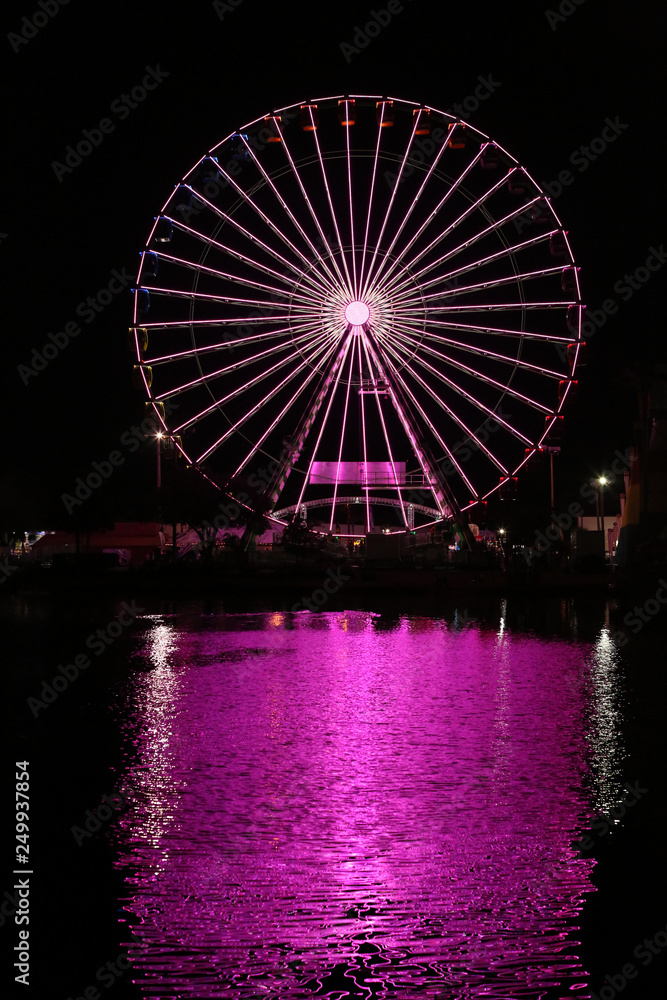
465, 532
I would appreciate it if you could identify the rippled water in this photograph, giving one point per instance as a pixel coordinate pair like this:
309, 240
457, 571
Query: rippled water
338, 805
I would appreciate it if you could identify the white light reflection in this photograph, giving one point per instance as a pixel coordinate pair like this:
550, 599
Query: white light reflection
153, 771
503, 617
605, 736
503, 736
160, 642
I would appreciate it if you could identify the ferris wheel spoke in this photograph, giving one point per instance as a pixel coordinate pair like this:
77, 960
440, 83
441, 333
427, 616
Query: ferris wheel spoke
326, 279
408, 423
349, 284
491, 258
225, 345
551, 338
349, 189
443, 234
392, 197
306, 480
408, 214
415, 437
230, 300
370, 204
235, 279
492, 307
330, 375
258, 406
470, 371
236, 393
313, 214
385, 434
236, 366
461, 392
311, 246
398, 283
370, 199
205, 323
342, 440
244, 259
470, 434
462, 217
416, 334
429, 218
481, 286
305, 275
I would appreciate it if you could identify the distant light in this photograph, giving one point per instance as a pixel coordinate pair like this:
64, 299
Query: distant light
501, 531
357, 313
603, 481
160, 434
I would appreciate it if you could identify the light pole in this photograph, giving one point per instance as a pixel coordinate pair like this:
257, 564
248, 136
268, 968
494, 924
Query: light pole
502, 533
159, 437
601, 483
552, 450
159, 459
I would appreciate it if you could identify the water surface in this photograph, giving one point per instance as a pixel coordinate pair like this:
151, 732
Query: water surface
340, 804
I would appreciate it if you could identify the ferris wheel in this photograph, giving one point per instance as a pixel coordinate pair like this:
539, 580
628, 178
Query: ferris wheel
361, 301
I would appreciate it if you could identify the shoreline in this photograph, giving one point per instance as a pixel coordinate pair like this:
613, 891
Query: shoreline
216, 581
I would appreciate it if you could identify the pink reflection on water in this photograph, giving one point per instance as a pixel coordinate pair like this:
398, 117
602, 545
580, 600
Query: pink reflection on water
340, 807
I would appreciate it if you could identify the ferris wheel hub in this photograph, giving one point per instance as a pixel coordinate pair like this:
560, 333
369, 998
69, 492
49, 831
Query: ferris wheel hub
357, 313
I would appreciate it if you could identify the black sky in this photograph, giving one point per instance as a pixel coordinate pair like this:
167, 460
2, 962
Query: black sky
557, 82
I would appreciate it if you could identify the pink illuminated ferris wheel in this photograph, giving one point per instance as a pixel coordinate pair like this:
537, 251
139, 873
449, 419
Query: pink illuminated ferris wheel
358, 301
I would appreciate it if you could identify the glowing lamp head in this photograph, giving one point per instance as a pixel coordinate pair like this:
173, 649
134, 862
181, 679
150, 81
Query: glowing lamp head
357, 313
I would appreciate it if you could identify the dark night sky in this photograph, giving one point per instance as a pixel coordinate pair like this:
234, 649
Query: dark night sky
61, 240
